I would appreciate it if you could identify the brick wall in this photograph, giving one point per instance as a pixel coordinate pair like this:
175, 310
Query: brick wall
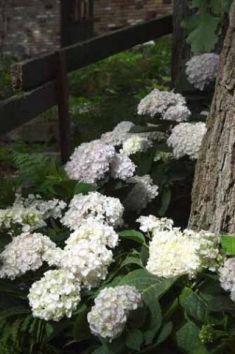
30, 27
110, 15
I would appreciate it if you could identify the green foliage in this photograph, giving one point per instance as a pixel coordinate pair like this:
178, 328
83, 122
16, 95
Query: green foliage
204, 25
105, 93
228, 244
5, 81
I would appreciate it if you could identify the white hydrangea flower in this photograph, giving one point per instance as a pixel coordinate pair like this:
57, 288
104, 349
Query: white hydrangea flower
135, 143
202, 69
227, 276
90, 162
159, 102
53, 256
48, 208
118, 135
94, 231
103, 208
153, 224
122, 167
30, 213
109, 315
25, 252
178, 113
142, 193
54, 296
186, 139
175, 253
88, 261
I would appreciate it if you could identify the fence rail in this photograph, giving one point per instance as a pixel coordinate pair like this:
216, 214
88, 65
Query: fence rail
39, 77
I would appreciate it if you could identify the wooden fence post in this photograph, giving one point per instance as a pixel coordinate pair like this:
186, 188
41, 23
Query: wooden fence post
63, 107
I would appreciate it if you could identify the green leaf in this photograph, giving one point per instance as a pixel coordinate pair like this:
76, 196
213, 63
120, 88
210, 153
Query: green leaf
102, 350
133, 235
81, 329
134, 339
14, 311
193, 305
203, 38
228, 244
147, 283
187, 335
219, 303
165, 332
165, 202
156, 316
83, 188
132, 260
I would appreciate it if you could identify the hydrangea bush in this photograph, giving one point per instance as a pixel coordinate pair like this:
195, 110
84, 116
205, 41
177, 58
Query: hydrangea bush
86, 268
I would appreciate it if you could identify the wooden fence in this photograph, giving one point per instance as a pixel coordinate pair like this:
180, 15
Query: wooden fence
43, 81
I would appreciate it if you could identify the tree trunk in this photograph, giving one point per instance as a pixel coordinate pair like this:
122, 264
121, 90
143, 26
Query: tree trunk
213, 196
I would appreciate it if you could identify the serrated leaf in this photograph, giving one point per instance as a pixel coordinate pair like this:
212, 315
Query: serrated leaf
133, 235
187, 336
203, 38
193, 305
228, 244
134, 339
147, 283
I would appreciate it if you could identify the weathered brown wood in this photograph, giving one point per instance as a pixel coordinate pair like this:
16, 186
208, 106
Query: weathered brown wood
213, 194
34, 72
19, 109
76, 21
63, 108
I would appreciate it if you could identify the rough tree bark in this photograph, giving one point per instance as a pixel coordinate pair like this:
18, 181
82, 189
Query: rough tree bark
213, 196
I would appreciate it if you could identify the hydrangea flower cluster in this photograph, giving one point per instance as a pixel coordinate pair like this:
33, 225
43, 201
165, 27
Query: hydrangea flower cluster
94, 204
86, 254
95, 231
136, 143
153, 224
109, 315
118, 135
167, 105
90, 162
173, 252
143, 192
202, 69
186, 139
55, 295
122, 167
25, 253
30, 213
227, 276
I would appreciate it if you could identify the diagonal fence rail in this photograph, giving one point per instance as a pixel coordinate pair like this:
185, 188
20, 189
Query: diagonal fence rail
43, 80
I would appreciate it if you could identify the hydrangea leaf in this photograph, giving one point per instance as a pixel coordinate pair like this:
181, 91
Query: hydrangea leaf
148, 283
188, 339
156, 317
165, 332
133, 235
203, 38
134, 339
228, 244
193, 305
